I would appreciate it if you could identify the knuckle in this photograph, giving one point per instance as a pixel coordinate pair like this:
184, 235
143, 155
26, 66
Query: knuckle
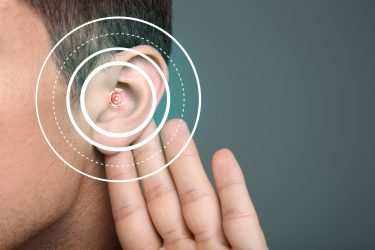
146, 151
174, 235
239, 213
186, 156
195, 194
126, 211
206, 236
124, 173
159, 191
229, 185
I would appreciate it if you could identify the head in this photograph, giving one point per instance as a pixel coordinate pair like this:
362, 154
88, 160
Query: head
36, 187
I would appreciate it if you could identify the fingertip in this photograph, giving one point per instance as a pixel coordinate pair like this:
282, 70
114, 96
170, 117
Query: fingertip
225, 166
222, 156
173, 126
224, 160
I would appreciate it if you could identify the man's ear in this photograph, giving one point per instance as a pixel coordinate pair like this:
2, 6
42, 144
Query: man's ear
137, 95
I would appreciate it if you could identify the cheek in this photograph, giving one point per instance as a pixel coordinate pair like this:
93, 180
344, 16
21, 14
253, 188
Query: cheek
36, 187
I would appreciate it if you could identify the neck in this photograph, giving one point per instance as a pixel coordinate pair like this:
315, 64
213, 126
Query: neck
87, 225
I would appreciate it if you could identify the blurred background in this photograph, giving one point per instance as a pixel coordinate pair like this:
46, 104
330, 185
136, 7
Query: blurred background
289, 86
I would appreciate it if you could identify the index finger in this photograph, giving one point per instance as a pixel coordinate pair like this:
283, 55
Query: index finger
132, 221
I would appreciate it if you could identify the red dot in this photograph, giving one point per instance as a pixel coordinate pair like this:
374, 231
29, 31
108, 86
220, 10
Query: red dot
116, 97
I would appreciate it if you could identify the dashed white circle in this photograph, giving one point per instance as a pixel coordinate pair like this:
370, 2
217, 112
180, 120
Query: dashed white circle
133, 146
103, 131
164, 146
198, 88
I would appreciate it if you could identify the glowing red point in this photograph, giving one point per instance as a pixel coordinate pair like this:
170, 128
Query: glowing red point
116, 98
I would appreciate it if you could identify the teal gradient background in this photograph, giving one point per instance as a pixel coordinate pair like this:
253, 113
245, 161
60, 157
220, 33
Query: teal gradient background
289, 86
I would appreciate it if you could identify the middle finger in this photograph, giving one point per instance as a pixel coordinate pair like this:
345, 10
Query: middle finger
200, 204
160, 192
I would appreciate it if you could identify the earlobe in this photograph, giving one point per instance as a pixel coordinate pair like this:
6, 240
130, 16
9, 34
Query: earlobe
119, 99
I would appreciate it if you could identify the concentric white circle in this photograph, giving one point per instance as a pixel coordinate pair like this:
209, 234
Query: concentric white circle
164, 146
105, 147
197, 82
103, 131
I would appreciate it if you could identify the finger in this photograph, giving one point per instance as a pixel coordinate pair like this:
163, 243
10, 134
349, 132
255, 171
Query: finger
240, 221
200, 205
160, 193
133, 224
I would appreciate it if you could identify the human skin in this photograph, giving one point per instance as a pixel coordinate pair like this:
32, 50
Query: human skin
44, 204
179, 208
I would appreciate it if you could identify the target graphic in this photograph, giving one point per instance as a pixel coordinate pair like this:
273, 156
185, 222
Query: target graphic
67, 123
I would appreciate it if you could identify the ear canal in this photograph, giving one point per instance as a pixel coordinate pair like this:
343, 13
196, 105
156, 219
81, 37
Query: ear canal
117, 98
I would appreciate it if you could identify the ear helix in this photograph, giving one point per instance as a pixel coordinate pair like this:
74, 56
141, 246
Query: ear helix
116, 98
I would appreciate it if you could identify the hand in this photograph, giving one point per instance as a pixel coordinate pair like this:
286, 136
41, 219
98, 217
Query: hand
179, 208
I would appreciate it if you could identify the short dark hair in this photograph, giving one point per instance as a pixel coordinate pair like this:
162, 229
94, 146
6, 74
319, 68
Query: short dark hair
62, 16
